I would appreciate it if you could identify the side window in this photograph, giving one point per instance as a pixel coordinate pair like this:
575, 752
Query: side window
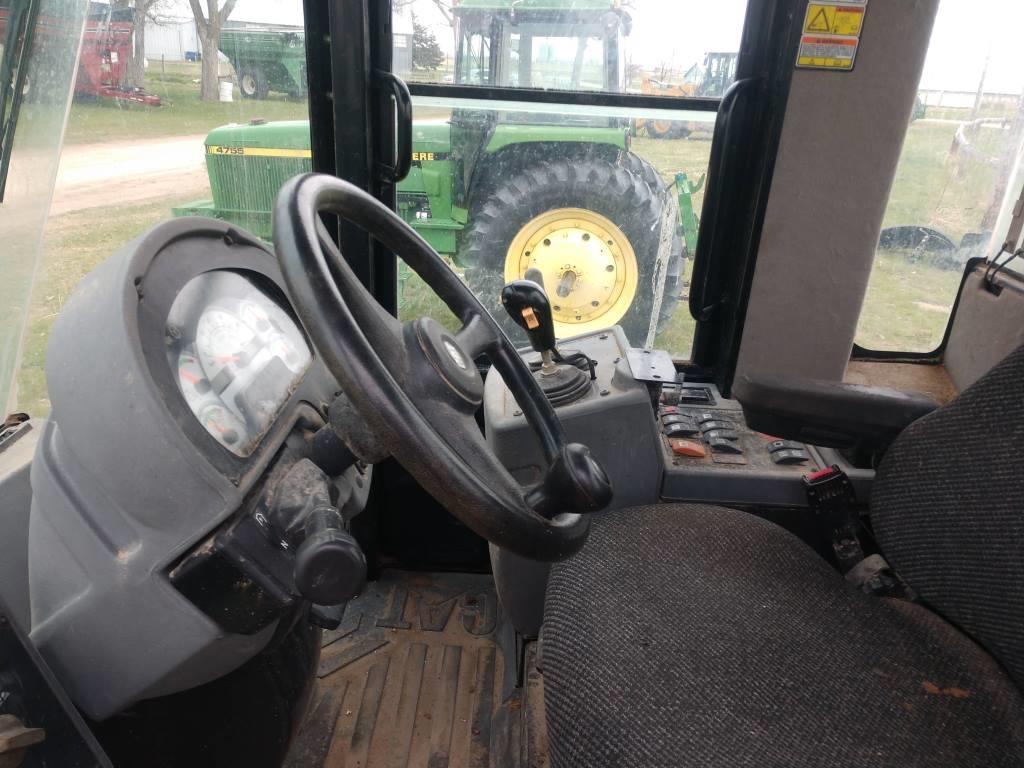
573, 61
958, 156
604, 201
473, 57
190, 118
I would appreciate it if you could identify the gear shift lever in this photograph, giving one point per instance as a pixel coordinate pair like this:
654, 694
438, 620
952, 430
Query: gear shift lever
527, 304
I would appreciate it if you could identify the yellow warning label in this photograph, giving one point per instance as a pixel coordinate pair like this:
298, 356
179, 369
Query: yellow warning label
834, 19
827, 52
212, 149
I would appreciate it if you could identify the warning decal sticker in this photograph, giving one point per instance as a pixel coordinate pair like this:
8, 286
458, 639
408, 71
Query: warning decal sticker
845, 20
827, 52
831, 35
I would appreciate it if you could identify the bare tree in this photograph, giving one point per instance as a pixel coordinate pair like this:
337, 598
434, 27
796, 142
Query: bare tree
140, 9
444, 8
446, 11
209, 25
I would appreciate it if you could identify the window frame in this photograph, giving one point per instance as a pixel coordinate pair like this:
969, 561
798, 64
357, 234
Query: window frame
21, 26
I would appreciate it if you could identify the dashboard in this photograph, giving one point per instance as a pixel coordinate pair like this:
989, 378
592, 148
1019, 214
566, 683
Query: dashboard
175, 483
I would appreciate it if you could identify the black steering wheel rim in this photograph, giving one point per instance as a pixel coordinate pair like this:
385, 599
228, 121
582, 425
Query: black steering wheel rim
358, 342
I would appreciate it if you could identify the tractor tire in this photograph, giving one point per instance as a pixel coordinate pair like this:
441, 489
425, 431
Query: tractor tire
593, 229
666, 129
252, 83
640, 167
676, 277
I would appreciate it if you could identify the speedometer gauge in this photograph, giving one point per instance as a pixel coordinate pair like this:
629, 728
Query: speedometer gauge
237, 356
222, 337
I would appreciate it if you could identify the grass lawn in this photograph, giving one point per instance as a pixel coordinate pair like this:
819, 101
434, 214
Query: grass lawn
908, 304
940, 192
182, 113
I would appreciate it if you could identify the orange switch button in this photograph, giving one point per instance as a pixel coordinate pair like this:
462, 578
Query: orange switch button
690, 448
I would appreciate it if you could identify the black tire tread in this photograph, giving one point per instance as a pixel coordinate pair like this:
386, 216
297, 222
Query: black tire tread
595, 180
677, 262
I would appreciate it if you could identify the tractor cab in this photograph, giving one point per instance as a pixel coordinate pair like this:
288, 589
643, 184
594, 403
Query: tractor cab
442, 411
566, 46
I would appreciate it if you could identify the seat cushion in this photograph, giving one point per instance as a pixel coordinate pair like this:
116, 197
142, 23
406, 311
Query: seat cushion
687, 635
948, 510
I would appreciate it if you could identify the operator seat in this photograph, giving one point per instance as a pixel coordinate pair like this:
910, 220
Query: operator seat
694, 635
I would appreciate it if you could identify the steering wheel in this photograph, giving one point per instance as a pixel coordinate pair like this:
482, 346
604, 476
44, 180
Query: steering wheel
417, 387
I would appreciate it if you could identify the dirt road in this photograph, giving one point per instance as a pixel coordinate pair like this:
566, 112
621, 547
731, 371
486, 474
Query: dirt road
116, 173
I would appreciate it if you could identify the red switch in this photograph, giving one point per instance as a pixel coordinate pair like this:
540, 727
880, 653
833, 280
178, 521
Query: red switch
691, 448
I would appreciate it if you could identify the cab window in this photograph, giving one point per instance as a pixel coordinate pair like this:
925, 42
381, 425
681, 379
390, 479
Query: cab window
961, 146
474, 55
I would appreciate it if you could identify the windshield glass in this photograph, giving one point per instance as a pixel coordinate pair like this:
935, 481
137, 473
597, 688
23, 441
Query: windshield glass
164, 112
602, 202
173, 114
955, 179
30, 151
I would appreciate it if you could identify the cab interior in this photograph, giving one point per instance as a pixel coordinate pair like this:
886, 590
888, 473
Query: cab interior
266, 522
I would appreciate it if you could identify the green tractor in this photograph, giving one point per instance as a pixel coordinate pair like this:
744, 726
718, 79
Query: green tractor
266, 59
501, 191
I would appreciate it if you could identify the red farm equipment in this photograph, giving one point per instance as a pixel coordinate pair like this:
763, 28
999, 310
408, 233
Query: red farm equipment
106, 56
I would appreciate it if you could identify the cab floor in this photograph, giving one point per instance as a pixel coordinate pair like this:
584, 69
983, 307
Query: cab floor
414, 676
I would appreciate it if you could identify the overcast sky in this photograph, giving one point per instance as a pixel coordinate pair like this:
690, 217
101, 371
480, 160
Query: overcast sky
681, 31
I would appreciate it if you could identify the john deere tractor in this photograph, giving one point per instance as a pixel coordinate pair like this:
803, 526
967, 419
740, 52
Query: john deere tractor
501, 190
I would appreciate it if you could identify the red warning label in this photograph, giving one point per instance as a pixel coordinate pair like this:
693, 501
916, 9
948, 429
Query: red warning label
827, 52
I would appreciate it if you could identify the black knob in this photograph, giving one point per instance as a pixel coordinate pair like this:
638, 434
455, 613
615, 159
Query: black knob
575, 482
330, 567
527, 304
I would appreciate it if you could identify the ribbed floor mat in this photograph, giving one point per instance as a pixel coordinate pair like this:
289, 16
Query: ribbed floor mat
413, 677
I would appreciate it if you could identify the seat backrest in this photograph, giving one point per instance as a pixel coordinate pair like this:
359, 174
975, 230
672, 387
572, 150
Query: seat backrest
948, 511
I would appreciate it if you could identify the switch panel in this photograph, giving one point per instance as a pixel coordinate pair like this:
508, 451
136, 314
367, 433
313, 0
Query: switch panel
711, 455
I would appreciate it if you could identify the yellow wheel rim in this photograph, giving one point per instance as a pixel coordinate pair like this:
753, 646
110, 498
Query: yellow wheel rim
660, 128
589, 267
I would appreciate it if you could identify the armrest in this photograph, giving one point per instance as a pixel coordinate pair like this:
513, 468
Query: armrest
828, 413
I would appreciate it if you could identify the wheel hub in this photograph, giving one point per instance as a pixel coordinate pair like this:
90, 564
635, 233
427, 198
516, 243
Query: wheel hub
589, 267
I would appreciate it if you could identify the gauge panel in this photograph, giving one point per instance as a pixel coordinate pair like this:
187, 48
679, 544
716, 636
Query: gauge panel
235, 355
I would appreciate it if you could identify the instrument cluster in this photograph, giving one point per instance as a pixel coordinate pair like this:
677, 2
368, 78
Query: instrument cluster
235, 355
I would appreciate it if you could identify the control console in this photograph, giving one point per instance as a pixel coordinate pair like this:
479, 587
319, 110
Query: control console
659, 437
711, 455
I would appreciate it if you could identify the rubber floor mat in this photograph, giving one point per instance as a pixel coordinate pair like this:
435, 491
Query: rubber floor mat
414, 677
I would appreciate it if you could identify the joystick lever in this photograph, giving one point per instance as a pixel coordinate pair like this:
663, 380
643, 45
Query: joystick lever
527, 304
564, 380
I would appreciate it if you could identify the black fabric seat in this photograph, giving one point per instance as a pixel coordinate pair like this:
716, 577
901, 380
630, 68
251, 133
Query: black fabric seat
687, 635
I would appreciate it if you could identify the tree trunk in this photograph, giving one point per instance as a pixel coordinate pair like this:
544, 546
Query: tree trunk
137, 70
209, 40
208, 26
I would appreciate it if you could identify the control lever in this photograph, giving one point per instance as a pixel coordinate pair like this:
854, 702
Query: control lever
527, 304
561, 378
575, 482
329, 566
